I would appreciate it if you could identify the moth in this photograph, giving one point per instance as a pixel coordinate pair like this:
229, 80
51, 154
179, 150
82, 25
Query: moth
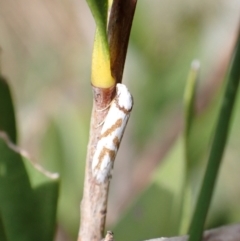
111, 134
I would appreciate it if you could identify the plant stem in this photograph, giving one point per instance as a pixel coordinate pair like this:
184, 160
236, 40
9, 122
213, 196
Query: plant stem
119, 27
95, 196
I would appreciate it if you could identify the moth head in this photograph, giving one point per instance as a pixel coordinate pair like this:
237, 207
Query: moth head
123, 96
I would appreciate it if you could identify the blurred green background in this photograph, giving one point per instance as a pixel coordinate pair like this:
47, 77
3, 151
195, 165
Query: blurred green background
46, 57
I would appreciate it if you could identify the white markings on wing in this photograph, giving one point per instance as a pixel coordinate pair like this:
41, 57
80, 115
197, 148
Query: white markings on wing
111, 134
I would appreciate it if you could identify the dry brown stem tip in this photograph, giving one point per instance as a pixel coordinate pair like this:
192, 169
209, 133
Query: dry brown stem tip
109, 236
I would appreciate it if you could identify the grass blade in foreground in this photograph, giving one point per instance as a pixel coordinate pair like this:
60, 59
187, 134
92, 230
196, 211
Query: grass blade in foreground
217, 149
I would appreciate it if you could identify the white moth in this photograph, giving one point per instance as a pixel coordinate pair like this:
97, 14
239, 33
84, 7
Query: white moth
111, 134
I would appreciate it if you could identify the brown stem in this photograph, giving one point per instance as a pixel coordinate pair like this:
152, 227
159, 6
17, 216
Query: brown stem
94, 201
119, 28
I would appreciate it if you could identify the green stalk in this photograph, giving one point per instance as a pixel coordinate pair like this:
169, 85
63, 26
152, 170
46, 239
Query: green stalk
217, 149
189, 109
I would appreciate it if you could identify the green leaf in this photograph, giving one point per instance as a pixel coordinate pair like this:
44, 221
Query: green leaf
99, 9
2, 231
7, 116
217, 149
27, 202
189, 109
189, 104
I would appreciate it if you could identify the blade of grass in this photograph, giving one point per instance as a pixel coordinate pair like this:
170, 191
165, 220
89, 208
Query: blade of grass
189, 109
189, 104
99, 10
217, 149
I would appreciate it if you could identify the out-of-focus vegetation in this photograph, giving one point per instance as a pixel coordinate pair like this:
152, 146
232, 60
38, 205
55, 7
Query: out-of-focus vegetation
28, 193
47, 48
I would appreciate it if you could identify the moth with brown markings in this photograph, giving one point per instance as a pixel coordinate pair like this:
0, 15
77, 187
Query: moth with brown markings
111, 134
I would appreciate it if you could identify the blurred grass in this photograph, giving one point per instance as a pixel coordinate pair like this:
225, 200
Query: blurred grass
47, 49
28, 197
222, 131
